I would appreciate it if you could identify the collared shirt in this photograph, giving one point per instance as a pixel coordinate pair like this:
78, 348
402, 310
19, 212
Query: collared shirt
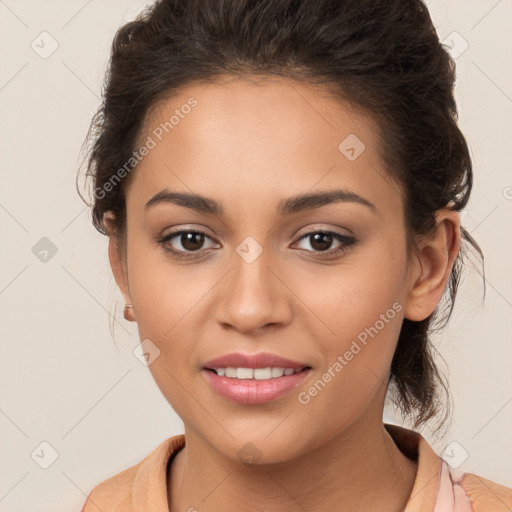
436, 488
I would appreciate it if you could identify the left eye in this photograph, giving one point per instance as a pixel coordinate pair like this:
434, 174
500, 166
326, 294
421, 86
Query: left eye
320, 241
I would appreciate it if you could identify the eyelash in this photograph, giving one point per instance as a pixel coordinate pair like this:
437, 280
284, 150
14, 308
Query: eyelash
346, 241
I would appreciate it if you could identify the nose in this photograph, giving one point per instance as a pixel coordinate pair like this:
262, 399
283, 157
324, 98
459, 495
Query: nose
253, 295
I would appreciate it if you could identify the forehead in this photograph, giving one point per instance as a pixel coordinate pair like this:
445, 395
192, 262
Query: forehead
234, 110
272, 137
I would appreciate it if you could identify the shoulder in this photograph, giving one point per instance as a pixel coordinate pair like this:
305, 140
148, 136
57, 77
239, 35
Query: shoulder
128, 490
440, 488
112, 493
483, 494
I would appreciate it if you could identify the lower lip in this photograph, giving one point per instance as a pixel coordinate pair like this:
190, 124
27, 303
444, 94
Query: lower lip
250, 391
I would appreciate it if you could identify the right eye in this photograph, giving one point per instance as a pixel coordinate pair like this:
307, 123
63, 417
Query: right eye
191, 242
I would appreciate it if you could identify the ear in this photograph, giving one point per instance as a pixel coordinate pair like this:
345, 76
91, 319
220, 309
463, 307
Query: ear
434, 262
115, 256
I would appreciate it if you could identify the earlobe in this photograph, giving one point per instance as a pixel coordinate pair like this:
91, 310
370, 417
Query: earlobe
436, 256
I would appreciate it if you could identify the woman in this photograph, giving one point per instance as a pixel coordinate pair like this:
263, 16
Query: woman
281, 184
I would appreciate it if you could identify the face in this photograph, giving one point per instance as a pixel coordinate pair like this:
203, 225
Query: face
321, 282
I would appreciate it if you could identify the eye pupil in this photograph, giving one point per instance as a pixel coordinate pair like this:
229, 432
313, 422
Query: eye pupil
192, 241
321, 241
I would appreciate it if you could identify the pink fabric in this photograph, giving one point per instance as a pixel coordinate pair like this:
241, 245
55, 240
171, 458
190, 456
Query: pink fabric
451, 496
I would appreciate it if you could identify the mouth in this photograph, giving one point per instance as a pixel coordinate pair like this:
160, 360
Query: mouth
252, 386
242, 363
254, 378
270, 372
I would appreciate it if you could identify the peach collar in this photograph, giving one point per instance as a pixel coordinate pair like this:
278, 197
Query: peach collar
149, 489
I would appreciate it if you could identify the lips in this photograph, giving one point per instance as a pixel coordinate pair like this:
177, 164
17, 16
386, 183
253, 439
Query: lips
254, 378
260, 360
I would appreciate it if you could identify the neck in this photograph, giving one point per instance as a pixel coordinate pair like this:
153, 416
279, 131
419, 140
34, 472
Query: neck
359, 469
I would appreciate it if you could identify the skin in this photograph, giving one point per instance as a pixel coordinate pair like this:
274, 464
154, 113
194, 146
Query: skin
248, 145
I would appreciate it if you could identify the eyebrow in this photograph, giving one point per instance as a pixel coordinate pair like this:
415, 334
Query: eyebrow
289, 206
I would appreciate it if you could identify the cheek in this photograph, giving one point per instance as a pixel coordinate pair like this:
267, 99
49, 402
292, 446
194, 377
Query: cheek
361, 303
352, 296
163, 291
167, 298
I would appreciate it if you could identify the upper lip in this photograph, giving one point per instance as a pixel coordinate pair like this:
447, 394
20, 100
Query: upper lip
260, 360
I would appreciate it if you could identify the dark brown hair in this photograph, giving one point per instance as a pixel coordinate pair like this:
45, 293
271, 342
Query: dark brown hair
383, 56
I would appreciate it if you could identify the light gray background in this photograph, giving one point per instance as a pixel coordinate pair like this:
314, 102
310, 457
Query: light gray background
63, 379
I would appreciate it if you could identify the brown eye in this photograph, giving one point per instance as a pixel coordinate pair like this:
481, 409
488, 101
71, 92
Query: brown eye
321, 242
184, 243
192, 241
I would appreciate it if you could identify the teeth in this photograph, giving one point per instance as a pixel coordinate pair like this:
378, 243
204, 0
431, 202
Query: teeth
276, 372
257, 373
244, 373
262, 373
230, 372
